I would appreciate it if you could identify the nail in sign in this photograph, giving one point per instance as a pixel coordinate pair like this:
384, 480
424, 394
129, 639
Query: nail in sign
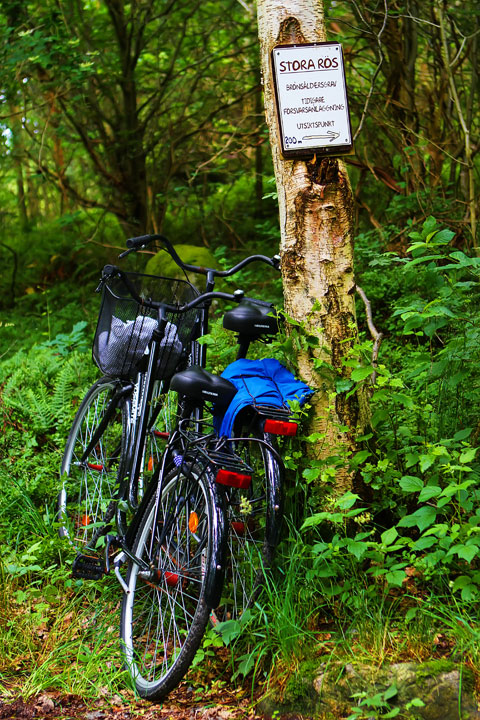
312, 102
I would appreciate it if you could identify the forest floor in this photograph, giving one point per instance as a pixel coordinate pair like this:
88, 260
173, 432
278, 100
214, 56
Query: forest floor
184, 703
181, 704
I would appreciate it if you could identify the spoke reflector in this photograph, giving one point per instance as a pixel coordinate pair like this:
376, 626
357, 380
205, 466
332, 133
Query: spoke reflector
160, 434
280, 427
171, 579
233, 479
150, 463
193, 522
238, 526
92, 466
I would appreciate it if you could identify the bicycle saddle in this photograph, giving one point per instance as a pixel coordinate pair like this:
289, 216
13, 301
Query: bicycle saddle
251, 319
197, 383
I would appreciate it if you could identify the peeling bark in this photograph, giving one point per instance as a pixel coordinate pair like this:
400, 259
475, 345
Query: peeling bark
316, 247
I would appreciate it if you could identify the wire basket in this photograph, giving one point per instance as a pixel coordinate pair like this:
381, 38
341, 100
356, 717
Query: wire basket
125, 327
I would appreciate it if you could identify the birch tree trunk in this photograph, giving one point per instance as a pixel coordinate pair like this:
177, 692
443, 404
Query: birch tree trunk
316, 221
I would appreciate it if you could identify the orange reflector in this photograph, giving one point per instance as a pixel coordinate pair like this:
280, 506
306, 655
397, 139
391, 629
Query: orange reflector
238, 526
150, 464
85, 520
233, 479
94, 467
160, 434
171, 579
280, 427
193, 522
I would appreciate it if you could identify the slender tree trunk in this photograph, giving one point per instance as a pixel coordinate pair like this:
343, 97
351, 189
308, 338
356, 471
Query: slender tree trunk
316, 221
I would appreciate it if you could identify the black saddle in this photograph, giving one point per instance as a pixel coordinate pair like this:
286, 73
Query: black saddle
251, 319
197, 383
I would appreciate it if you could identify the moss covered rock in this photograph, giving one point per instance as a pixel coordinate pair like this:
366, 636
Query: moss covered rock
434, 690
162, 263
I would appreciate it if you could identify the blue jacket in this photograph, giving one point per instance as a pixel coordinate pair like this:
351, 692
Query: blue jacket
259, 382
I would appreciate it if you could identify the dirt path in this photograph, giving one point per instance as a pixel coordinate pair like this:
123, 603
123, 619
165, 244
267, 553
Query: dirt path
181, 705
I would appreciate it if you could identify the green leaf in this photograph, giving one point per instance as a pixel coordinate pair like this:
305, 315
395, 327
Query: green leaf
468, 455
362, 373
390, 692
410, 483
358, 549
466, 552
428, 492
463, 434
416, 702
426, 461
424, 543
460, 582
347, 500
395, 577
343, 385
421, 518
411, 614
311, 474
389, 536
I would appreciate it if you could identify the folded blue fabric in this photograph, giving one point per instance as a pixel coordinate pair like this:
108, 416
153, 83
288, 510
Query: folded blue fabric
259, 382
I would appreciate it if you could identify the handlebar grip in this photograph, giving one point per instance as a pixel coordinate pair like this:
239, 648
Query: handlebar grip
136, 242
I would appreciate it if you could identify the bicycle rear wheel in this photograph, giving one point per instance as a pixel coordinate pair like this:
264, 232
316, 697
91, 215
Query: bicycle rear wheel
87, 500
253, 522
178, 551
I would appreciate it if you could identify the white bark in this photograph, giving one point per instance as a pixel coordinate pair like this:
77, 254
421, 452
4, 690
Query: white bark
316, 223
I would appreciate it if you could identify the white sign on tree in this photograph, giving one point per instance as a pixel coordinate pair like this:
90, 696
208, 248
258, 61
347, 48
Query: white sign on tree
312, 99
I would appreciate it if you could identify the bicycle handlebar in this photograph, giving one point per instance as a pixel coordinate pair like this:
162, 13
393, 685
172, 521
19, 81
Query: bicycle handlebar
142, 241
112, 271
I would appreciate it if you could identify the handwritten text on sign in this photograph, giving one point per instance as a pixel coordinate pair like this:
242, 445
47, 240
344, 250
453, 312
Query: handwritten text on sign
312, 98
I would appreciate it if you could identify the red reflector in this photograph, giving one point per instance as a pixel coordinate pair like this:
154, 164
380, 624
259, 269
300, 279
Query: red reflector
233, 479
280, 427
238, 527
171, 579
95, 467
160, 434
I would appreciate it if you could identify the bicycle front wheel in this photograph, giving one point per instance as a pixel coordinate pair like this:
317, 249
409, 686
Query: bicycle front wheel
86, 502
178, 554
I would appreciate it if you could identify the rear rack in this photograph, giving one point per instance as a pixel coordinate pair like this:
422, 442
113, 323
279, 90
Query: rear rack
276, 413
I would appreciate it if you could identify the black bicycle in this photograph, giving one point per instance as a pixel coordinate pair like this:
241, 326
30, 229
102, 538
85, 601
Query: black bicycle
197, 519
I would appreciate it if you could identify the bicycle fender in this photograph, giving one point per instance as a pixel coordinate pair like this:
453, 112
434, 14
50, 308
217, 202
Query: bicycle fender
218, 550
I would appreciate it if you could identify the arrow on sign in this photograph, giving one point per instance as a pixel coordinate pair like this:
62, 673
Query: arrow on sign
329, 136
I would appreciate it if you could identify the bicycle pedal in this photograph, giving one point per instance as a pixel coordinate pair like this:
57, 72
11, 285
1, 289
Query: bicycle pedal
88, 567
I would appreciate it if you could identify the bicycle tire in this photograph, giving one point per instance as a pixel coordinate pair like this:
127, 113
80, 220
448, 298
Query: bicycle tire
166, 609
87, 500
254, 519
